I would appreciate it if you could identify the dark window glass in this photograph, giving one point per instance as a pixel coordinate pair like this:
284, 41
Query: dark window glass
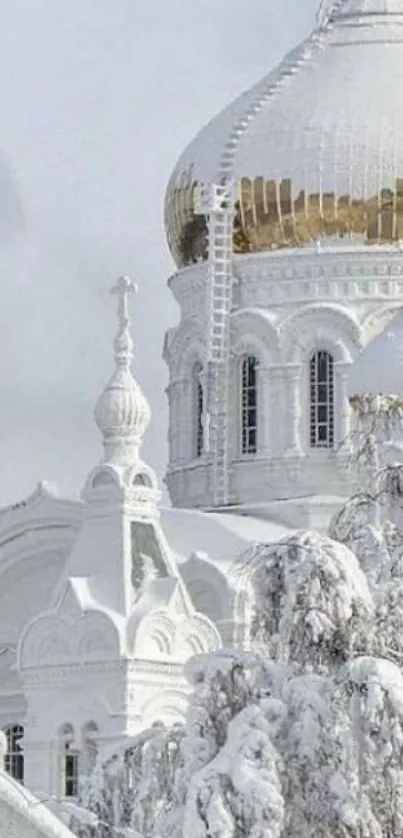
14, 761
249, 404
197, 410
322, 400
71, 775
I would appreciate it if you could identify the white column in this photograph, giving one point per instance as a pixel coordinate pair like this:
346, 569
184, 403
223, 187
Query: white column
271, 409
293, 412
184, 420
266, 411
39, 766
342, 406
174, 391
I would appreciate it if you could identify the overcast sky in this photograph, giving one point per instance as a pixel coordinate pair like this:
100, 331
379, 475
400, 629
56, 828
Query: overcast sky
98, 99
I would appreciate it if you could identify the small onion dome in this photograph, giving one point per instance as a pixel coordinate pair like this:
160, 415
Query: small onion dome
122, 412
314, 149
378, 370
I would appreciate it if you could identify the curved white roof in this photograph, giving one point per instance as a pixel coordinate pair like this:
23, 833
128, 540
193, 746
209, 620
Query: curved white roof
22, 815
370, 7
329, 119
379, 367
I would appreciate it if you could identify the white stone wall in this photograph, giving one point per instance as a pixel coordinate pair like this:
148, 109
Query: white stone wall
286, 306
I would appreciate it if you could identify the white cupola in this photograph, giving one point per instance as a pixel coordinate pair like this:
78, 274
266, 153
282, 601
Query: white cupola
106, 658
122, 412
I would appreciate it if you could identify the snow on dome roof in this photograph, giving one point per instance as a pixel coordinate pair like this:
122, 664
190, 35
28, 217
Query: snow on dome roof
314, 147
379, 367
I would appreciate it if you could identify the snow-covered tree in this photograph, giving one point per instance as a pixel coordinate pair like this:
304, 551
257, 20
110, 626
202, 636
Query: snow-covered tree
312, 602
302, 736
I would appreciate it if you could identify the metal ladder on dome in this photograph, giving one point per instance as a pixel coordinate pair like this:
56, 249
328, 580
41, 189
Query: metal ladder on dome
220, 284
220, 207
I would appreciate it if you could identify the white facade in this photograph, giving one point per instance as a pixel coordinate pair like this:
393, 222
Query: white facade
104, 657
287, 306
96, 618
313, 162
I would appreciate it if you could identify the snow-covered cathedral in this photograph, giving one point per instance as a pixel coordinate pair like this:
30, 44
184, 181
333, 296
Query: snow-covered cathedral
285, 219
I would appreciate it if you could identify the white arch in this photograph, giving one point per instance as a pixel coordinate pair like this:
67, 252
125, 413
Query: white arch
254, 333
168, 705
328, 327
186, 347
203, 579
377, 320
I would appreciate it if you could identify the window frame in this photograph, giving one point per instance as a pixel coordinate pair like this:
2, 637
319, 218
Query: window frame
71, 777
197, 411
248, 405
321, 400
14, 758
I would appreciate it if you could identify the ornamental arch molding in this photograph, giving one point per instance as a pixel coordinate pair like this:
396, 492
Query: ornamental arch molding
186, 347
46, 640
330, 328
154, 635
95, 637
168, 706
377, 320
254, 333
196, 636
208, 589
91, 709
50, 639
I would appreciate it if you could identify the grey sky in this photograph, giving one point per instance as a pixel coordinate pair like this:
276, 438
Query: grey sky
99, 97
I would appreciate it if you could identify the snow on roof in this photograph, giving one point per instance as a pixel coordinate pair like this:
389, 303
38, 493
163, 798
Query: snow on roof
326, 120
221, 535
23, 815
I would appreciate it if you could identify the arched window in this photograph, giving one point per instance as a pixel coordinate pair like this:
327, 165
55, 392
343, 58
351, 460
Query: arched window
322, 400
198, 408
69, 762
14, 761
89, 736
249, 405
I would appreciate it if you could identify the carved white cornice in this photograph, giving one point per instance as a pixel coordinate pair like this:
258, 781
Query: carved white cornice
190, 279
289, 277
139, 671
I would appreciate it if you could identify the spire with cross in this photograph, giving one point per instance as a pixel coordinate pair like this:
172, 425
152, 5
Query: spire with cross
123, 341
122, 412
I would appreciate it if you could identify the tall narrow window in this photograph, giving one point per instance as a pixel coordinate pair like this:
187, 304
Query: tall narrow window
249, 427
322, 400
14, 761
198, 408
69, 755
70, 772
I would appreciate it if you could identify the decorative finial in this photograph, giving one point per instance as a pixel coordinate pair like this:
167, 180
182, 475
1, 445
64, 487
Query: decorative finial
123, 341
122, 412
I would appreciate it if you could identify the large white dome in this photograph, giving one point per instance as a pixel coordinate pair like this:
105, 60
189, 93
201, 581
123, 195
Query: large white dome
315, 148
